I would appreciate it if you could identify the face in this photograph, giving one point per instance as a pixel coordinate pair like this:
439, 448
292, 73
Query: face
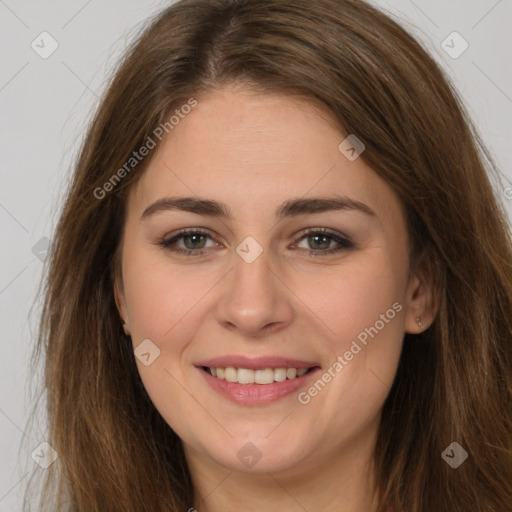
293, 276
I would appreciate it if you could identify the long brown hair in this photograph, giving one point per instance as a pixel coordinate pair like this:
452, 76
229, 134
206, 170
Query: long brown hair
454, 381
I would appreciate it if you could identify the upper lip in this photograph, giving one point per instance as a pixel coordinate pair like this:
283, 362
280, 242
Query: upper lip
256, 363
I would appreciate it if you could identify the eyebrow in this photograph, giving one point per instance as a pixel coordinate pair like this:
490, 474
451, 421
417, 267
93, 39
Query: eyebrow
290, 208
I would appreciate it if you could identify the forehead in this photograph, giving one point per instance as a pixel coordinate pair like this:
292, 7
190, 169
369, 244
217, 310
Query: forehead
253, 151
246, 129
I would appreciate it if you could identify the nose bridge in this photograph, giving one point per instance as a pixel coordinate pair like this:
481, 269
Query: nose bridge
254, 297
252, 270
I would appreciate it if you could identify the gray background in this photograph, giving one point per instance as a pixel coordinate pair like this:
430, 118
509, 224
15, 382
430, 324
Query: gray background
45, 103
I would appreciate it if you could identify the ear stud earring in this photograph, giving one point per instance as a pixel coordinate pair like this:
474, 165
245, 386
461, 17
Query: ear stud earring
419, 323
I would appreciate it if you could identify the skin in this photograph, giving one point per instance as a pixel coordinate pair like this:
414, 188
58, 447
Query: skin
253, 152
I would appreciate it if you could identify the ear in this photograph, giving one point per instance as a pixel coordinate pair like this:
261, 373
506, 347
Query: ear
422, 303
121, 302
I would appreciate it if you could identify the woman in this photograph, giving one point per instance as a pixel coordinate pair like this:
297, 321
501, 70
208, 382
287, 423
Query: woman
281, 279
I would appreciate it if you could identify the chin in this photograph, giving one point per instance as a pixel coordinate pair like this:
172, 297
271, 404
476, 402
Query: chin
258, 455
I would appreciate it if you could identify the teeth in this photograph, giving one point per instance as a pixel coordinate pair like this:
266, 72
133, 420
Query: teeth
231, 374
265, 376
280, 374
245, 376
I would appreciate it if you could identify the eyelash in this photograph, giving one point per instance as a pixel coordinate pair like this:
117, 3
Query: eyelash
344, 242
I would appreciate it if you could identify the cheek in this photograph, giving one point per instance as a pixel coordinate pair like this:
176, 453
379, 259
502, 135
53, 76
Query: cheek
165, 307
362, 307
161, 297
354, 297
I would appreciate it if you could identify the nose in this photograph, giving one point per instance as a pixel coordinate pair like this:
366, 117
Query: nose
255, 300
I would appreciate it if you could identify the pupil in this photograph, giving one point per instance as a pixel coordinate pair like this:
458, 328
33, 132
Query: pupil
325, 238
195, 237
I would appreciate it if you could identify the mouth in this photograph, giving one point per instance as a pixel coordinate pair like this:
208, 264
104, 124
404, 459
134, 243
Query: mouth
256, 381
262, 376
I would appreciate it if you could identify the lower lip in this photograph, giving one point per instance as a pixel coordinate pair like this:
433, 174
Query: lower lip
256, 394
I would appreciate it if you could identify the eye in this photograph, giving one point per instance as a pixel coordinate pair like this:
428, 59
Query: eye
320, 239
193, 239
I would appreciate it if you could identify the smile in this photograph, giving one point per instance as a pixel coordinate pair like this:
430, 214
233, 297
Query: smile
256, 386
